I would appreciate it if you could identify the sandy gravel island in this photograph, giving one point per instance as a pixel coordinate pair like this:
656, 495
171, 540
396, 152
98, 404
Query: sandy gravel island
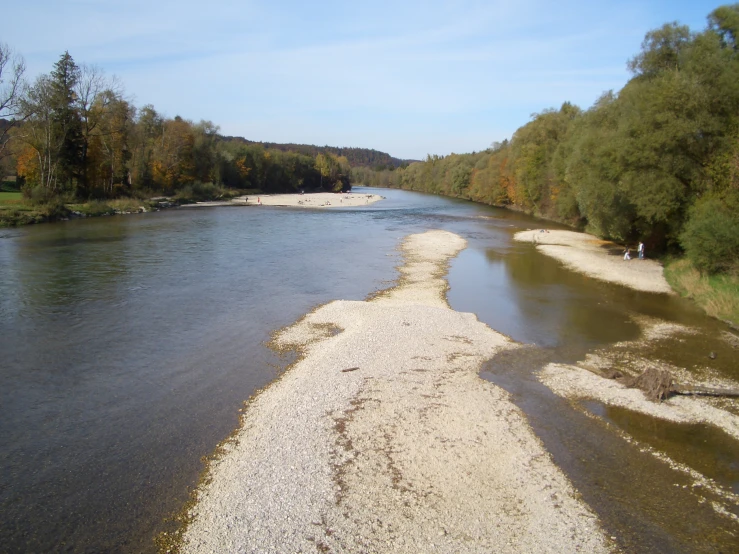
312, 200
590, 255
383, 438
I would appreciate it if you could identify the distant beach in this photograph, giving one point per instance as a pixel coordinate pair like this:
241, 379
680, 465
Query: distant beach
313, 200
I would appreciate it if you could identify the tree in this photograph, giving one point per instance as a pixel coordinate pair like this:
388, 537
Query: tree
93, 96
725, 21
39, 143
67, 126
662, 50
109, 143
12, 68
52, 128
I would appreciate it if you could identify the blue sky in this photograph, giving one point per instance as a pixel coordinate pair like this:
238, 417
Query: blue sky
405, 77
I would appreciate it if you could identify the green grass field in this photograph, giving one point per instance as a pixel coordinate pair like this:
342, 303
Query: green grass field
10, 198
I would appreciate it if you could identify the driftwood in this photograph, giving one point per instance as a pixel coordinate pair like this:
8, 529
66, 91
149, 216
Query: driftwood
656, 384
349, 369
659, 384
704, 391
605, 373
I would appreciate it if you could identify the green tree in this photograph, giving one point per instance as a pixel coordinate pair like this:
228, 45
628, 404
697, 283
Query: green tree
66, 123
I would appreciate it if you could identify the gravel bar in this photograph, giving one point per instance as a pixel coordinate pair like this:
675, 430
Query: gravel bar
383, 438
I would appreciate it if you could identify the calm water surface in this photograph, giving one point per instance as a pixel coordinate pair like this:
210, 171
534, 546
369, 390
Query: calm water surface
128, 344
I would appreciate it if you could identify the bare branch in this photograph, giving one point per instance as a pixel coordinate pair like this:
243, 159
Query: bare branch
12, 84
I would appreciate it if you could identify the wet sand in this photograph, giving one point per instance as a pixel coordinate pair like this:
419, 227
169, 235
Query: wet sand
383, 438
592, 256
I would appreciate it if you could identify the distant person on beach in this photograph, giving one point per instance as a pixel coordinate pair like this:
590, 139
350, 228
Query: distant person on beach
627, 254
641, 250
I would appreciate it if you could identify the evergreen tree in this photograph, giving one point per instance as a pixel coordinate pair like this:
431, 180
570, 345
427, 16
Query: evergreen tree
66, 123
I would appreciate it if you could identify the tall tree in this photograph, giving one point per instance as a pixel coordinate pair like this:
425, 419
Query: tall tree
12, 68
67, 126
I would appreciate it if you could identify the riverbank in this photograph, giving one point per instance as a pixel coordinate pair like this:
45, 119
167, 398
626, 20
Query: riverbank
383, 438
15, 212
598, 258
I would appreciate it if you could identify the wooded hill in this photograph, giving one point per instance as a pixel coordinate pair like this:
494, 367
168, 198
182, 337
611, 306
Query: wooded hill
657, 161
73, 136
357, 157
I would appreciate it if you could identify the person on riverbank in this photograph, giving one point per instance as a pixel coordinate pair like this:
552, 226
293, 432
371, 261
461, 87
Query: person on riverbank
641, 250
627, 254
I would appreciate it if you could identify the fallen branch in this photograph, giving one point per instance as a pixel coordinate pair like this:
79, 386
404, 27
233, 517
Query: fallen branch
349, 369
703, 391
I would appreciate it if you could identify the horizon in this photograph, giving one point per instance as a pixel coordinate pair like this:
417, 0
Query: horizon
411, 79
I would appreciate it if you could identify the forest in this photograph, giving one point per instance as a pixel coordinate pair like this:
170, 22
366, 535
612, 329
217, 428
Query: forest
72, 136
657, 161
357, 157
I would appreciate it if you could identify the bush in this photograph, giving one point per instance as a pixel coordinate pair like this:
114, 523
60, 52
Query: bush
199, 192
711, 235
38, 195
95, 208
53, 210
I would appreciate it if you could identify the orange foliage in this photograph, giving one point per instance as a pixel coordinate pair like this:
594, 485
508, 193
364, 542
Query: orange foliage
27, 162
241, 166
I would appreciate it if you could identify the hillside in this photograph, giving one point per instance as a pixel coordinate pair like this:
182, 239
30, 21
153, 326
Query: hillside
358, 157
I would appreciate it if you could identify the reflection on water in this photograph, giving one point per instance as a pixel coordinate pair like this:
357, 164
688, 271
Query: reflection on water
130, 343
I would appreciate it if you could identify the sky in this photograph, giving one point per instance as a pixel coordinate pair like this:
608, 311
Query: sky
409, 78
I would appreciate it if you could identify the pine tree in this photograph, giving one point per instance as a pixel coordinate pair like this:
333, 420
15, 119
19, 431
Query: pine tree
66, 123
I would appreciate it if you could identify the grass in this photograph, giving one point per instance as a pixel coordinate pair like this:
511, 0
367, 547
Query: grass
718, 295
10, 198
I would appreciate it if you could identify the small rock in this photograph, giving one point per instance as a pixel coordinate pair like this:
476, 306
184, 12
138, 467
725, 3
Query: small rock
712, 355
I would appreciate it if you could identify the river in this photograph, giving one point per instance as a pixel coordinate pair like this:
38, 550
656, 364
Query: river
129, 345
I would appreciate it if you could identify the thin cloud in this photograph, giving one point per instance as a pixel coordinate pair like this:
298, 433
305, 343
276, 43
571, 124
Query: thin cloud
403, 77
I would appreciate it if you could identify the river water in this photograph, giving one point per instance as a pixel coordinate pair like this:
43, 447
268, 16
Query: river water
129, 344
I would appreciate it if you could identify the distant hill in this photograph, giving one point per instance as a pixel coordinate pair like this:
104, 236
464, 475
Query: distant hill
358, 157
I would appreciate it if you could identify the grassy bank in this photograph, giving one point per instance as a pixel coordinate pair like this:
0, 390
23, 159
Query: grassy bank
16, 209
718, 295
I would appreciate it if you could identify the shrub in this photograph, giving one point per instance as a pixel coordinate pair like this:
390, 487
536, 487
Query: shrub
38, 195
199, 192
711, 235
95, 208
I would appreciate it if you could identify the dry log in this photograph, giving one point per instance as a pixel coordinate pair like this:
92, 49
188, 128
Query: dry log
703, 391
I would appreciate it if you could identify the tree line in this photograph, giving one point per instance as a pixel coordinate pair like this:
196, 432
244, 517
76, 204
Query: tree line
357, 157
72, 134
657, 161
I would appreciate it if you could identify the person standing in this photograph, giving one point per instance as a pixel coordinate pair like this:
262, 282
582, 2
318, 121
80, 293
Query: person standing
641, 250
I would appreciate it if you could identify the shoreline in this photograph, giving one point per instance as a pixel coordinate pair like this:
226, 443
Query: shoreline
310, 200
594, 257
383, 438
